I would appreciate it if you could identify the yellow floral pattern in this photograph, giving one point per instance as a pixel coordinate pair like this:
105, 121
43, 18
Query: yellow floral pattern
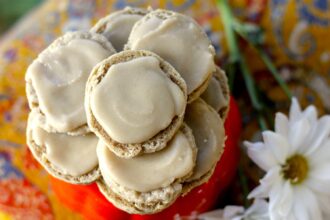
296, 38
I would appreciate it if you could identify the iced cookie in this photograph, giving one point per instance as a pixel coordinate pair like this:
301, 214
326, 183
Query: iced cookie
69, 158
55, 81
179, 40
135, 102
117, 26
209, 134
217, 93
151, 182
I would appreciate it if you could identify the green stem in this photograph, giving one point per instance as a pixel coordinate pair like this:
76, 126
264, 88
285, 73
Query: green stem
265, 58
250, 85
234, 53
231, 41
244, 185
235, 59
231, 70
239, 28
262, 122
229, 31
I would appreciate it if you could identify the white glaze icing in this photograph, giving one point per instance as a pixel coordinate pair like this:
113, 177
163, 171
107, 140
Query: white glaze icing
214, 95
73, 155
59, 76
209, 135
149, 171
118, 27
136, 100
179, 41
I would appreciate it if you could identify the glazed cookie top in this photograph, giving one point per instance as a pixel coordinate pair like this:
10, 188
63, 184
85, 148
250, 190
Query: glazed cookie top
149, 171
117, 26
73, 155
179, 40
59, 74
209, 135
217, 92
135, 100
213, 95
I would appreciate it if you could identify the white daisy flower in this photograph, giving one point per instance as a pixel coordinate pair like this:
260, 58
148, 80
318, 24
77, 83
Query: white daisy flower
257, 211
296, 158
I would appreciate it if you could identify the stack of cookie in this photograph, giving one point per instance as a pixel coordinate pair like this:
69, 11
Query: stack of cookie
136, 104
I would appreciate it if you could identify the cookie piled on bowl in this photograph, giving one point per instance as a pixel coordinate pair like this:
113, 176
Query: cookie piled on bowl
136, 104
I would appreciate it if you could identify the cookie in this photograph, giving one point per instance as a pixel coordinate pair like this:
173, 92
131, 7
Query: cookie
209, 133
179, 40
217, 93
69, 158
148, 183
117, 26
135, 102
55, 81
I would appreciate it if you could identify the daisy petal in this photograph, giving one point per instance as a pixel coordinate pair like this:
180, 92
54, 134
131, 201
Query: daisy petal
291, 216
311, 114
278, 145
320, 155
306, 205
321, 172
229, 212
295, 110
272, 177
258, 210
299, 210
282, 199
261, 155
281, 124
324, 202
297, 133
320, 134
318, 185
232, 211
260, 191
273, 213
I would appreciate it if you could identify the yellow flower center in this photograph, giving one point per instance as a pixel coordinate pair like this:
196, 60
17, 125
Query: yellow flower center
295, 169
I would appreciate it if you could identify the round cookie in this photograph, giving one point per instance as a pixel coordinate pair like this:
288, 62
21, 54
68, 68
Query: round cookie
148, 183
69, 158
135, 102
217, 93
179, 40
209, 133
56, 79
117, 26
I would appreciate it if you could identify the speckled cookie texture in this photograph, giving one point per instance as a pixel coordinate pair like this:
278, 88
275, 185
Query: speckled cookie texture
153, 144
136, 105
